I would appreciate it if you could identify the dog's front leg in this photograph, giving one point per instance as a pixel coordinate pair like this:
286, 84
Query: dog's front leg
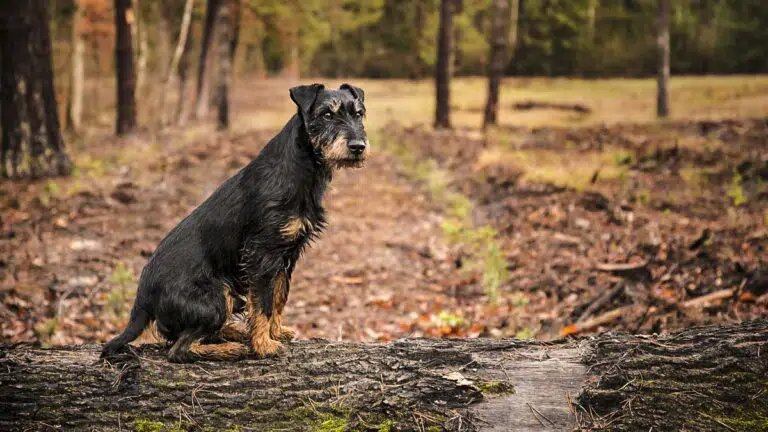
280, 288
260, 310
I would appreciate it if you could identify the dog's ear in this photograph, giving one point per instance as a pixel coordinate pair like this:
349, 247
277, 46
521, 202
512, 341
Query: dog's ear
357, 92
304, 96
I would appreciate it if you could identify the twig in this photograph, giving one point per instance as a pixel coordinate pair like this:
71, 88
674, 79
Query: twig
709, 298
597, 321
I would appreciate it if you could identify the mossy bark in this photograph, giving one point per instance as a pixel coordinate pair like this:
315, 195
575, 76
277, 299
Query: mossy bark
710, 378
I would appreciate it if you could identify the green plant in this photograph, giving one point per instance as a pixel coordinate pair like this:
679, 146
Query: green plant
525, 333
494, 270
122, 275
50, 191
448, 319
46, 329
122, 278
736, 190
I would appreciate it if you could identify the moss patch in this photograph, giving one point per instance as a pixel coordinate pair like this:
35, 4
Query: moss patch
496, 387
143, 425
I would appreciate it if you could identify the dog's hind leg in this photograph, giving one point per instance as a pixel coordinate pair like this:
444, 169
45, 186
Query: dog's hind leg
259, 312
280, 288
220, 351
189, 348
235, 331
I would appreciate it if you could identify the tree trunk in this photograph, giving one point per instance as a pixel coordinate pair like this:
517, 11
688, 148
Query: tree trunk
292, 68
32, 145
705, 378
226, 39
126, 81
182, 72
179, 62
501, 21
141, 47
202, 90
77, 72
443, 68
662, 94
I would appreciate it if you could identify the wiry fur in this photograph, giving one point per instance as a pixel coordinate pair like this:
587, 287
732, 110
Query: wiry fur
245, 239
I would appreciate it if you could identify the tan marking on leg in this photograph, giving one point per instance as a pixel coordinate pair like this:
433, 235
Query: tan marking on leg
222, 351
258, 328
150, 335
279, 298
230, 301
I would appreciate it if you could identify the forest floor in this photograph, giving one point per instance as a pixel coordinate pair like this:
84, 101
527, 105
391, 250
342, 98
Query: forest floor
527, 231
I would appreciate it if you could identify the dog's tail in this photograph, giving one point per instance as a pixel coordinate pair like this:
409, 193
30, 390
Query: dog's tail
139, 321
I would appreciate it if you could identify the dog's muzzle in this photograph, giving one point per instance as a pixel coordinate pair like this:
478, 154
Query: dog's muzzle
356, 147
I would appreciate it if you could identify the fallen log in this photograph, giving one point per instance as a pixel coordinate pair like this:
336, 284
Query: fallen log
529, 105
705, 378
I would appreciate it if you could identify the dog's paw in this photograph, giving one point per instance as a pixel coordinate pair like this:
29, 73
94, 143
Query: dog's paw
266, 347
286, 334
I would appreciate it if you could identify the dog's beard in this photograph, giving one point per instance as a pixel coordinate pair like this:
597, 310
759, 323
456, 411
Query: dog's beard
337, 155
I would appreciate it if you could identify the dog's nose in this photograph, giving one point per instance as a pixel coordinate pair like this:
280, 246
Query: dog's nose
356, 147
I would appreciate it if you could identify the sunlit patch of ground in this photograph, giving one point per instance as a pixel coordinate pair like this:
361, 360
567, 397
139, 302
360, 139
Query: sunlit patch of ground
409, 102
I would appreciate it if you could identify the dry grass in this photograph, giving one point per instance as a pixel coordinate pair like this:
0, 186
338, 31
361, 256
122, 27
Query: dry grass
265, 103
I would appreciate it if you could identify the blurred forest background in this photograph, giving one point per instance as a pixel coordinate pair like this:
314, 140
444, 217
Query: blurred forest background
396, 38
542, 167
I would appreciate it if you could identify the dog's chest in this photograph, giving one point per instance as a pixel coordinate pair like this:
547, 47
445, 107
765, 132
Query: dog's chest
298, 229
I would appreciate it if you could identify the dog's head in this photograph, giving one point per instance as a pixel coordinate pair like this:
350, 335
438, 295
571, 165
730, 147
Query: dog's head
334, 121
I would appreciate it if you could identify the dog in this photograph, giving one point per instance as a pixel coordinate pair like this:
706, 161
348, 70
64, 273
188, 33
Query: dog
236, 252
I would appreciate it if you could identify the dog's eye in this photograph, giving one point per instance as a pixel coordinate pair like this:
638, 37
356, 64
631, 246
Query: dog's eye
328, 116
359, 114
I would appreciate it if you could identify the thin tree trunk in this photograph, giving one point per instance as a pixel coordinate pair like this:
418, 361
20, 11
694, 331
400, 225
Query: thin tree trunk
591, 17
126, 80
202, 89
443, 69
182, 107
292, 68
701, 379
226, 41
662, 94
77, 72
178, 53
501, 18
141, 47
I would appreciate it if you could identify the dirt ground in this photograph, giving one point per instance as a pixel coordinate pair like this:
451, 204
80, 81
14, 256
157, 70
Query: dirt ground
644, 228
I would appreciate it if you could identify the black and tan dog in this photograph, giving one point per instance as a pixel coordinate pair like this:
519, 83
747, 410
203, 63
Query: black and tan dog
244, 240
